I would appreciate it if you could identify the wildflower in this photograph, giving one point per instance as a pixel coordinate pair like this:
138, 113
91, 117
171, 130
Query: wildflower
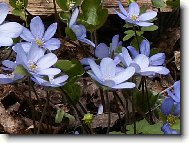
52, 81
35, 62
8, 30
171, 104
144, 65
103, 51
108, 75
39, 36
167, 130
133, 15
79, 30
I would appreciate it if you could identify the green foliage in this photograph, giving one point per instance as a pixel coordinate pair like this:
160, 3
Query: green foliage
116, 133
176, 125
93, 14
88, 118
143, 127
19, 8
173, 3
131, 33
59, 116
141, 100
65, 16
134, 42
20, 70
158, 3
73, 90
67, 5
150, 28
70, 33
70, 67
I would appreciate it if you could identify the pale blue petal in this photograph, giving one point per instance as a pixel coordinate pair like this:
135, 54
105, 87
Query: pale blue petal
37, 27
10, 30
95, 68
145, 48
35, 53
107, 68
89, 42
157, 59
26, 46
47, 61
126, 56
49, 71
124, 75
163, 71
74, 16
93, 76
100, 109
4, 9
124, 85
134, 9
133, 51
102, 51
52, 44
51, 30
147, 16
27, 35
167, 106
109, 83
60, 79
121, 15
9, 64
142, 61
144, 24
5, 41
115, 43
122, 9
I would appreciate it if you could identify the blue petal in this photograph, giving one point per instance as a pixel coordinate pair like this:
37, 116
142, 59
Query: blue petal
10, 30
52, 44
147, 16
47, 61
142, 61
144, 24
133, 51
5, 41
9, 64
163, 71
95, 69
74, 16
27, 35
89, 42
157, 59
49, 71
37, 27
145, 48
126, 57
122, 9
115, 43
167, 106
102, 51
60, 79
176, 86
124, 75
124, 85
51, 30
134, 9
107, 68
120, 15
4, 9
177, 109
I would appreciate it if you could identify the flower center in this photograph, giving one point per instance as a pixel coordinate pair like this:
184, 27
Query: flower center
134, 17
39, 42
32, 66
171, 119
11, 75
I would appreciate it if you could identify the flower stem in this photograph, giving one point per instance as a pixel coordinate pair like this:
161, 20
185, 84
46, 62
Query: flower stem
136, 37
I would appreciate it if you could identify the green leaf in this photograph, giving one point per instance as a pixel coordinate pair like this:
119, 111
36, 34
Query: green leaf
63, 4
176, 125
158, 3
116, 133
173, 3
127, 37
73, 90
70, 67
18, 4
65, 16
150, 28
70, 117
59, 115
70, 33
134, 42
20, 70
19, 13
93, 14
143, 127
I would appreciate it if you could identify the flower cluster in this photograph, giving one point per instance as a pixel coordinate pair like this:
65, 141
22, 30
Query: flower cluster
171, 107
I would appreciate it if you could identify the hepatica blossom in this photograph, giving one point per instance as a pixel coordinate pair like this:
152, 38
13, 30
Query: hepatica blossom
103, 51
79, 30
133, 15
143, 64
171, 104
167, 129
8, 30
39, 36
108, 75
35, 62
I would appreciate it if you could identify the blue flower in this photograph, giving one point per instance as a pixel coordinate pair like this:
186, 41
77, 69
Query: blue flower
12, 77
167, 130
133, 15
103, 51
79, 30
143, 64
171, 104
108, 75
8, 30
39, 36
52, 81
35, 62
